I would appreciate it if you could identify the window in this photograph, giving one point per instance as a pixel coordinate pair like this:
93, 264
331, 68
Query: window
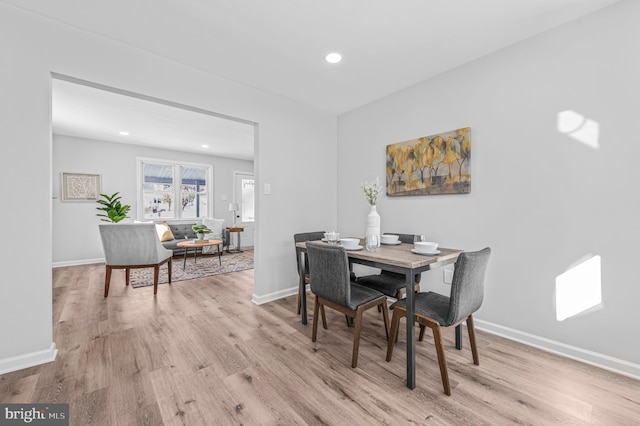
248, 211
171, 190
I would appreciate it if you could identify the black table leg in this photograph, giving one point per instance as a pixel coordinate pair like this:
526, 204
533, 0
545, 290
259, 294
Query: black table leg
219, 254
302, 289
411, 343
459, 336
184, 263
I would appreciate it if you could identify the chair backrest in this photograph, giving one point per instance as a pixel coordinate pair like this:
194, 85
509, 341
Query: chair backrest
404, 238
467, 286
132, 244
329, 272
303, 237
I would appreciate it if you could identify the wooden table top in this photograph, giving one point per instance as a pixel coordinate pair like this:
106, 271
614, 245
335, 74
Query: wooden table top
400, 255
199, 243
235, 228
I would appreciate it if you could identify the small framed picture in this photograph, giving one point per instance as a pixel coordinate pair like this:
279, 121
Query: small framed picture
80, 187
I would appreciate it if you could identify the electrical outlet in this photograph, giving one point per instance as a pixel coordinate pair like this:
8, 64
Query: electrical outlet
448, 276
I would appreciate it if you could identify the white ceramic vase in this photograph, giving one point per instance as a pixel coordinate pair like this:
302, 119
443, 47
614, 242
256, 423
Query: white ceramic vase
373, 223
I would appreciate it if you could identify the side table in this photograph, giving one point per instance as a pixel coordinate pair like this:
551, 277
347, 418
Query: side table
238, 230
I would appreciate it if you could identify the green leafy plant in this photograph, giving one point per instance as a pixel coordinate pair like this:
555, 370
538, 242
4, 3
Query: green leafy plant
114, 210
201, 229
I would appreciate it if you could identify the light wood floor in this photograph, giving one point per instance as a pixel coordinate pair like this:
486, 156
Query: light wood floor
200, 353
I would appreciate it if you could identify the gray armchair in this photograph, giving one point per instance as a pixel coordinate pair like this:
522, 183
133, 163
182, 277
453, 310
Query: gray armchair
127, 246
331, 283
439, 312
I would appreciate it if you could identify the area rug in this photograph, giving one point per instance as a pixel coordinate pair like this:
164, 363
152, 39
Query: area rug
205, 266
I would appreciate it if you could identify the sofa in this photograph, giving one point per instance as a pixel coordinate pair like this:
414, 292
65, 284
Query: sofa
181, 231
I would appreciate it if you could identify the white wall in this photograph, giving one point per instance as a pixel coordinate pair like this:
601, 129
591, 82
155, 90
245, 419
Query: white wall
76, 238
539, 198
32, 48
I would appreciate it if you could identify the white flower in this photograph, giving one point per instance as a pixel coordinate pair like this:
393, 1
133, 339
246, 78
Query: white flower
371, 191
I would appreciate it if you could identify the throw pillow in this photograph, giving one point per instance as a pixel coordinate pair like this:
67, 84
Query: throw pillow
164, 232
216, 226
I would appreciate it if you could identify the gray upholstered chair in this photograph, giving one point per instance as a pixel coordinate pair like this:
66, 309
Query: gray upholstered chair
331, 284
301, 238
439, 312
390, 283
128, 246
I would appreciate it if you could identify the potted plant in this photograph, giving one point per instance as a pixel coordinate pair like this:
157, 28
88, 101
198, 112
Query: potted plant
114, 211
201, 230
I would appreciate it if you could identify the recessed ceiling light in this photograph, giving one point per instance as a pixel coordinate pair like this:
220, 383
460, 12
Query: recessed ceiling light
123, 133
333, 58
205, 146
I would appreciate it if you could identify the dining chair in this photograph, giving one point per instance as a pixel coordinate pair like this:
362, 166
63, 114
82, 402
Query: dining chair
440, 312
133, 245
332, 286
392, 284
301, 238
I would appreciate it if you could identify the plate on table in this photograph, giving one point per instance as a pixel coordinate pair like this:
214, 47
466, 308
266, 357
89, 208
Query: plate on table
391, 244
427, 253
354, 248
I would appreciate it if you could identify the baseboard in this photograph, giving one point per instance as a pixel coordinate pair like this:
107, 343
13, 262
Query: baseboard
32, 359
259, 300
76, 262
596, 359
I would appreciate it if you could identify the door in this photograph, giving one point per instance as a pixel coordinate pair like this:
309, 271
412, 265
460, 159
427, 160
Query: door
244, 195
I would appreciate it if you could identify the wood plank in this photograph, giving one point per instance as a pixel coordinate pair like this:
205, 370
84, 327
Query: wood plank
202, 353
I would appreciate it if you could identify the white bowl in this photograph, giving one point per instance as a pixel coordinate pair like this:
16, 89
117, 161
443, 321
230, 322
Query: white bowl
425, 246
389, 238
350, 242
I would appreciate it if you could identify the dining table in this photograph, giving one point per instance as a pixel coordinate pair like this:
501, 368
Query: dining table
396, 258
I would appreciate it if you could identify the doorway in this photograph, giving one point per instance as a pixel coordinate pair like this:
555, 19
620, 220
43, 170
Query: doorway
244, 196
87, 118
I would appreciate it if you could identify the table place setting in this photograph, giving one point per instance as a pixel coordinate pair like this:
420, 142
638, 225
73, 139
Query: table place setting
425, 248
351, 243
390, 239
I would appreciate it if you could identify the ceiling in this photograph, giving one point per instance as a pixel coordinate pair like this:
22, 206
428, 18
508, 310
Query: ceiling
279, 45
88, 112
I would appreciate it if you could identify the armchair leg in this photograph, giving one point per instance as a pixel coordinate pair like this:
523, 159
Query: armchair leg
356, 337
437, 337
156, 272
421, 336
316, 309
107, 280
385, 317
349, 320
324, 318
169, 267
395, 325
472, 340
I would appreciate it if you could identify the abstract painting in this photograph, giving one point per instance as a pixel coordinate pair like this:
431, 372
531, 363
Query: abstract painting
80, 187
430, 165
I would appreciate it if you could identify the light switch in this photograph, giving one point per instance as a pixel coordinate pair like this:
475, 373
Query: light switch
223, 197
267, 188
